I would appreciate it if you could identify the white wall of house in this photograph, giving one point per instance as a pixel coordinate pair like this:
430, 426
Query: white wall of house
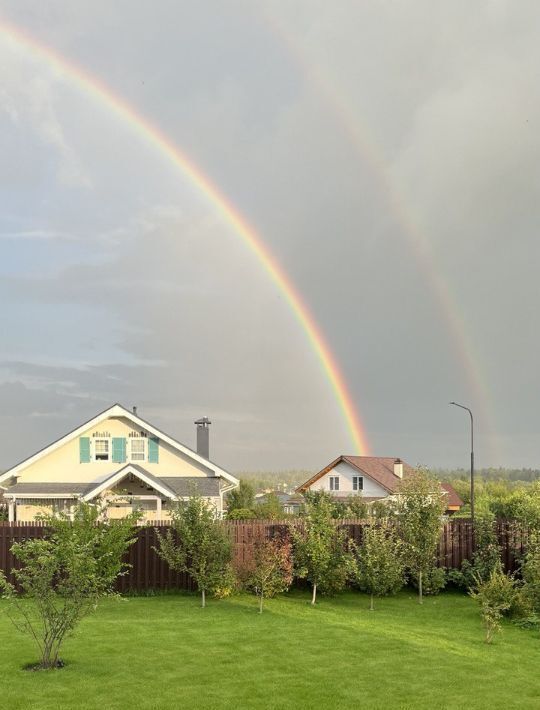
346, 472
63, 464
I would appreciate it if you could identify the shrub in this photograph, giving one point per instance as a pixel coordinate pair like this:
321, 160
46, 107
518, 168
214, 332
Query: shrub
530, 572
496, 596
271, 571
433, 580
485, 559
379, 568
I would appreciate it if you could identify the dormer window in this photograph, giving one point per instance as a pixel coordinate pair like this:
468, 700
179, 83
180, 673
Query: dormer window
102, 450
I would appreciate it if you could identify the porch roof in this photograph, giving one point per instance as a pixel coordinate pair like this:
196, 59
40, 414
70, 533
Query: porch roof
172, 486
37, 488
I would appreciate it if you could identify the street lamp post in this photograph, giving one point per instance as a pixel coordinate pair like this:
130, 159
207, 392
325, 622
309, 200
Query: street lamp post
472, 457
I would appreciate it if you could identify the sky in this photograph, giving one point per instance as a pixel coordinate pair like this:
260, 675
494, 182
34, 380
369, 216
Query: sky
385, 153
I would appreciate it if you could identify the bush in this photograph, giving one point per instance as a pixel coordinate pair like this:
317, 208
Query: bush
530, 572
433, 580
496, 596
271, 571
485, 559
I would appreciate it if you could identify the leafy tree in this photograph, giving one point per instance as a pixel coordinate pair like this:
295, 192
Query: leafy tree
270, 509
272, 569
241, 514
530, 572
496, 596
63, 576
198, 544
319, 548
242, 497
381, 510
419, 506
380, 568
355, 507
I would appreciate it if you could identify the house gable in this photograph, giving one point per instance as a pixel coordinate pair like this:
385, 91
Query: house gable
79, 457
345, 471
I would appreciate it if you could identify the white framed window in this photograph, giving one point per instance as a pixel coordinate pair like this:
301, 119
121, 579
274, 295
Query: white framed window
137, 449
102, 449
358, 483
334, 483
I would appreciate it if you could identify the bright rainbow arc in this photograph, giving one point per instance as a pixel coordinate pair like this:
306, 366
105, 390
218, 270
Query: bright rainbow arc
152, 135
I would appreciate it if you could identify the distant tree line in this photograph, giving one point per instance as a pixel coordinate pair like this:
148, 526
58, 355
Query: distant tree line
517, 475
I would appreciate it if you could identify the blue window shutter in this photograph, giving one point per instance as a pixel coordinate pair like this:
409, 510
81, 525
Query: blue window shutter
153, 450
84, 449
118, 449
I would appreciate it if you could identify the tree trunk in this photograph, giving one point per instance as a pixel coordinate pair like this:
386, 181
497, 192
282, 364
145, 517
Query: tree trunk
420, 600
260, 603
314, 597
371, 605
203, 602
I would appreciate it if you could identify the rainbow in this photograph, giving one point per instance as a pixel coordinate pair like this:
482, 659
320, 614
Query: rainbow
362, 140
149, 133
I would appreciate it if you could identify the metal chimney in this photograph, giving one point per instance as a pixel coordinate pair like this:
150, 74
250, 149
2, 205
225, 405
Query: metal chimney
203, 437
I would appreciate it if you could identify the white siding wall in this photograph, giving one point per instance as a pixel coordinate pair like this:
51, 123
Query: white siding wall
346, 472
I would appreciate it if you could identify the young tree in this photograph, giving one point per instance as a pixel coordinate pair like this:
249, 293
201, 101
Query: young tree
319, 549
63, 576
272, 570
419, 508
198, 544
241, 498
380, 568
496, 596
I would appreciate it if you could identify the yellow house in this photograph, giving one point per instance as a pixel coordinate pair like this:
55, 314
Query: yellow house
120, 459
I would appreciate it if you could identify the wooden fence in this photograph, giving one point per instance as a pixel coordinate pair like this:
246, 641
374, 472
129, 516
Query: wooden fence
149, 572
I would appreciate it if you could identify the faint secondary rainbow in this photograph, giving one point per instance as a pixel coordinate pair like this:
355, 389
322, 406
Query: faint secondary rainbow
361, 138
162, 144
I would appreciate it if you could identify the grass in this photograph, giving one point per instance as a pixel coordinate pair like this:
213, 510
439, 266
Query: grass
166, 652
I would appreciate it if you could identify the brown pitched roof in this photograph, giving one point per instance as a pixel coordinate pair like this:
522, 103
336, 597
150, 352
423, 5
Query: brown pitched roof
453, 498
379, 468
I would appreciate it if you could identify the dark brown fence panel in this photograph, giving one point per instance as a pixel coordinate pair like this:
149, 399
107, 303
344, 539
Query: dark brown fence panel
147, 571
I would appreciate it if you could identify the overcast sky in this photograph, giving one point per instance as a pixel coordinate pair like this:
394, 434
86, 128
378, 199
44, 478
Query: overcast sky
387, 153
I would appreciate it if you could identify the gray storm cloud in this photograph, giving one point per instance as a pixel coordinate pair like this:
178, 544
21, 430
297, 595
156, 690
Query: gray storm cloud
315, 121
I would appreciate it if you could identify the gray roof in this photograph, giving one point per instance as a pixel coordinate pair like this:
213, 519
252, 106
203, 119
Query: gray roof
177, 485
38, 487
186, 485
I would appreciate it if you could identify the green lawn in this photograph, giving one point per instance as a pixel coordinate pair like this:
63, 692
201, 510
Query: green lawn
165, 652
